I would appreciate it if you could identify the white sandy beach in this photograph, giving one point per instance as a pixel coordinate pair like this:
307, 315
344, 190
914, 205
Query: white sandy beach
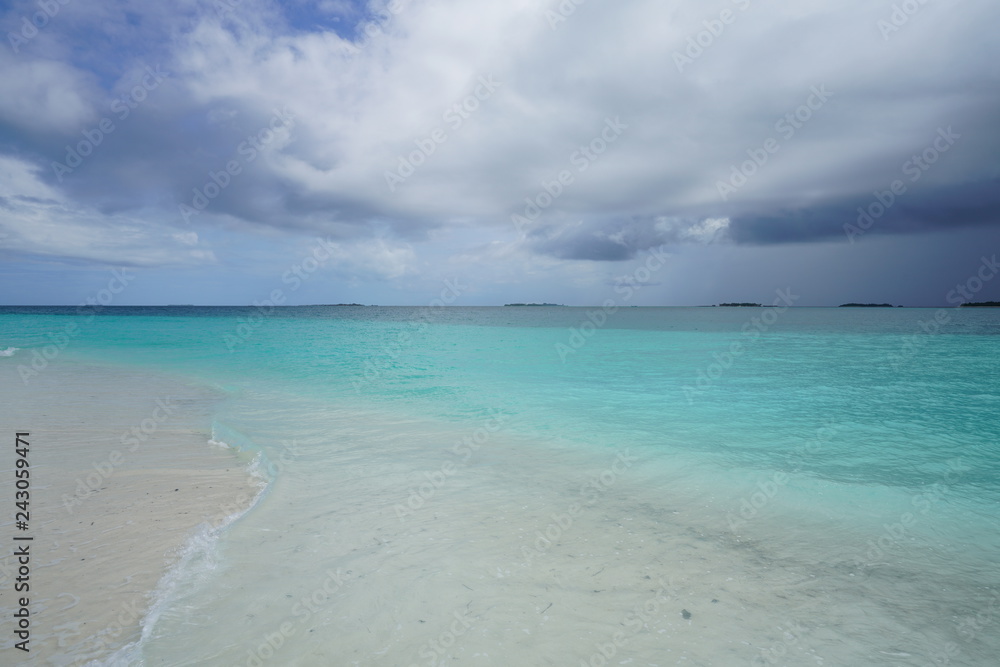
111, 508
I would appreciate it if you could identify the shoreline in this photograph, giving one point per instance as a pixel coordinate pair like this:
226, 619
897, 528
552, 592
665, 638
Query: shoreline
118, 502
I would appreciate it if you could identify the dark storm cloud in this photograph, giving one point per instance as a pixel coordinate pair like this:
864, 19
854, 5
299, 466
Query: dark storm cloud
882, 212
826, 103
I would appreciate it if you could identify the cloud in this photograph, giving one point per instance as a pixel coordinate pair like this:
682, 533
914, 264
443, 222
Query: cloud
374, 259
44, 96
409, 89
38, 223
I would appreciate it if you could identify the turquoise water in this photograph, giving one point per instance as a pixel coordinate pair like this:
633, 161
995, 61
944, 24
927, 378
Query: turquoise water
813, 486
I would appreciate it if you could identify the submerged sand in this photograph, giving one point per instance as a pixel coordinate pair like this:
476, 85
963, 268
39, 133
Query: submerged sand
123, 479
378, 545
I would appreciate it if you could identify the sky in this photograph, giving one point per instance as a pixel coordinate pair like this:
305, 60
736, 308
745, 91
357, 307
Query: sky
646, 152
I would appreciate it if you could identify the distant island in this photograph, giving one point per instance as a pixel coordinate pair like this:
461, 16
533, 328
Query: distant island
982, 304
867, 305
557, 305
740, 305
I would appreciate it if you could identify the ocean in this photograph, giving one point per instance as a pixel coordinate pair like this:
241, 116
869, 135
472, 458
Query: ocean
554, 485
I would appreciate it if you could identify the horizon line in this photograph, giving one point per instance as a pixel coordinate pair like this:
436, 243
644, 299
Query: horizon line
377, 305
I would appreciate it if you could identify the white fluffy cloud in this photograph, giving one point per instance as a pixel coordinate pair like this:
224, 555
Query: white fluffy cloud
360, 112
417, 136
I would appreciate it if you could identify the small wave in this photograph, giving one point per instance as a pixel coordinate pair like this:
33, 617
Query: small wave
226, 436
198, 558
9, 352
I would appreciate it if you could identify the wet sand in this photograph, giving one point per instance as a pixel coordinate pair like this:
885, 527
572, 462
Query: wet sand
122, 478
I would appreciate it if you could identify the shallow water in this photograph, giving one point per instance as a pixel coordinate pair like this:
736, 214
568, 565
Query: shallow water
515, 486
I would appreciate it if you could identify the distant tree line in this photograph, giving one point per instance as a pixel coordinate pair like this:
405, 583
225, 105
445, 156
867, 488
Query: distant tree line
866, 305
